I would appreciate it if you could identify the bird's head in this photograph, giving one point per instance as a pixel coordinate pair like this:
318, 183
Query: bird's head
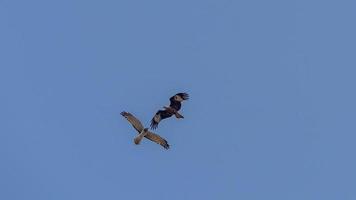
178, 98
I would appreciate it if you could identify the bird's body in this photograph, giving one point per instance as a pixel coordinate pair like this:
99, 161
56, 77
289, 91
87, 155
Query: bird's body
174, 107
144, 132
173, 112
138, 139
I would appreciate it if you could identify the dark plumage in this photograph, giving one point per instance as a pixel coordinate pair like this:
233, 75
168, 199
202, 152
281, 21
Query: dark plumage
161, 114
174, 107
177, 99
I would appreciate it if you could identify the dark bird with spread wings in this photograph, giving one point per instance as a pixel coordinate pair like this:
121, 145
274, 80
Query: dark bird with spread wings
174, 107
144, 132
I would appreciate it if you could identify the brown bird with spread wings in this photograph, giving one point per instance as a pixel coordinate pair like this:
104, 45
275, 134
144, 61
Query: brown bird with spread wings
144, 132
174, 107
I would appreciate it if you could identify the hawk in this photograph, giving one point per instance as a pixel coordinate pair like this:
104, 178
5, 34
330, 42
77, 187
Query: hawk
174, 107
144, 132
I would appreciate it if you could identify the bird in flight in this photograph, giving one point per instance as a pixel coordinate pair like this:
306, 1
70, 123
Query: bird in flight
144, 132
174, 107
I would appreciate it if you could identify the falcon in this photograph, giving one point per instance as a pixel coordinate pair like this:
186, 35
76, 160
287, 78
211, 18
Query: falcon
144, 132
174, 107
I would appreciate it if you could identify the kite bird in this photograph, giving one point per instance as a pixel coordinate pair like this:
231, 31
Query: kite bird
173, 109
144, 132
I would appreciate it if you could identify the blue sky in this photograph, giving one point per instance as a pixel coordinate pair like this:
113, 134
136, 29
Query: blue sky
271, 114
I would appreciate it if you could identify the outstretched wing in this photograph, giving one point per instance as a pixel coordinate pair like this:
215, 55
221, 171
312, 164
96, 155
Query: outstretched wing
133, 120
161, 114
157, 139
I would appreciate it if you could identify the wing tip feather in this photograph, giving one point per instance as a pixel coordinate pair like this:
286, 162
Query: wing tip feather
124, 113
153, 125
165, 145
184, 95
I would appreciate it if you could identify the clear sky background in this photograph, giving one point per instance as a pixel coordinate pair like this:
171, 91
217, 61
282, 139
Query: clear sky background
271, 114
